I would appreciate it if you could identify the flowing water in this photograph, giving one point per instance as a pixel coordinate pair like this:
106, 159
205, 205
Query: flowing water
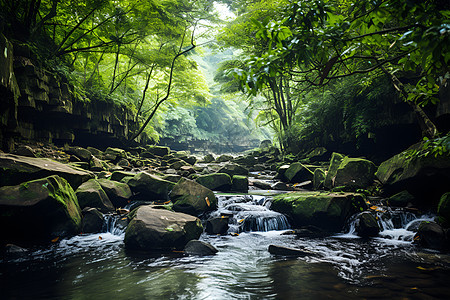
344, 266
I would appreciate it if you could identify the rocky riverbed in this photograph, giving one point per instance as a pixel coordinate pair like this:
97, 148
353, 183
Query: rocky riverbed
154, 201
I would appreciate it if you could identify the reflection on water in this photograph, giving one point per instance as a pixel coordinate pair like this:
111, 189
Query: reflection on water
344, 267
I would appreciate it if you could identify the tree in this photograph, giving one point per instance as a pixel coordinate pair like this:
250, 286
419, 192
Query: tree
408, 41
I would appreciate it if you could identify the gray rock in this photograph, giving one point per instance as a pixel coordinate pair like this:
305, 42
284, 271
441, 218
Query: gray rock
217, 225
192, 198
233, 169
118, 193
17, 169
286, 251
216, 181
38, 211
160, 229
150, 187
91, 194
367, 225
92, 220
196, 247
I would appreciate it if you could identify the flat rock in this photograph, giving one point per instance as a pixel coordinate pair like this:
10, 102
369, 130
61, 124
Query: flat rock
200, 248
286, 251
17, 169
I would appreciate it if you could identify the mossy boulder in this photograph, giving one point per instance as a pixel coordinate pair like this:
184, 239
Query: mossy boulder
192, 198
119, 175
16, 169
431, 235
425, 177
118, 193
224, 158
233, 169
91, 194
81, 153
158, 150
318, 178
215, 181
115, 154
335, 162
160, 229
367, 225
38, 211
328, 211
297, 172
208, 158
401, 199
355, 173
150, 187
239, 184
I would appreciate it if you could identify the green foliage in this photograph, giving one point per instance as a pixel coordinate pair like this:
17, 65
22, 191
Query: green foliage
431, 147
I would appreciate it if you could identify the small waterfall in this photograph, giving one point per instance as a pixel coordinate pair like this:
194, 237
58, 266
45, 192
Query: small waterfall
250, 213
395, 225
114, 224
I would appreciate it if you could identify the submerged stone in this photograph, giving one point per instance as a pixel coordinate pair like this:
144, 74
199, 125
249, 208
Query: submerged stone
286, 251
92, 220
367, 225
217, 225
200, 248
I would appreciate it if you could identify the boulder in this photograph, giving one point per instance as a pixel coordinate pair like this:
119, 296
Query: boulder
216, 181
38, 211
233, 169
431, 235
261, 184
114, 154
400, 199
119, 175
95, 151
355, 173
190, 160
224, 158
97, 165
160, 229
91, 194
196, 247
118, 193
281, 186
281, 170
17, 169
367, 225
25, 151
443, 209
297, 172
328, 211
208, 158
425, 177
172, 178
318, 178
318, 154
150, 187
217, 225
286, 251
239, 184
158, 150
92, 220
178, 164
192, 198
81, 153
335, 162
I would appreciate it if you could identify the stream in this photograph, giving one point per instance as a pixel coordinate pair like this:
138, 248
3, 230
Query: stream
343, 266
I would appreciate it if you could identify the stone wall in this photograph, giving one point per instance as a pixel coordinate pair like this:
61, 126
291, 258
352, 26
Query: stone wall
36, 104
